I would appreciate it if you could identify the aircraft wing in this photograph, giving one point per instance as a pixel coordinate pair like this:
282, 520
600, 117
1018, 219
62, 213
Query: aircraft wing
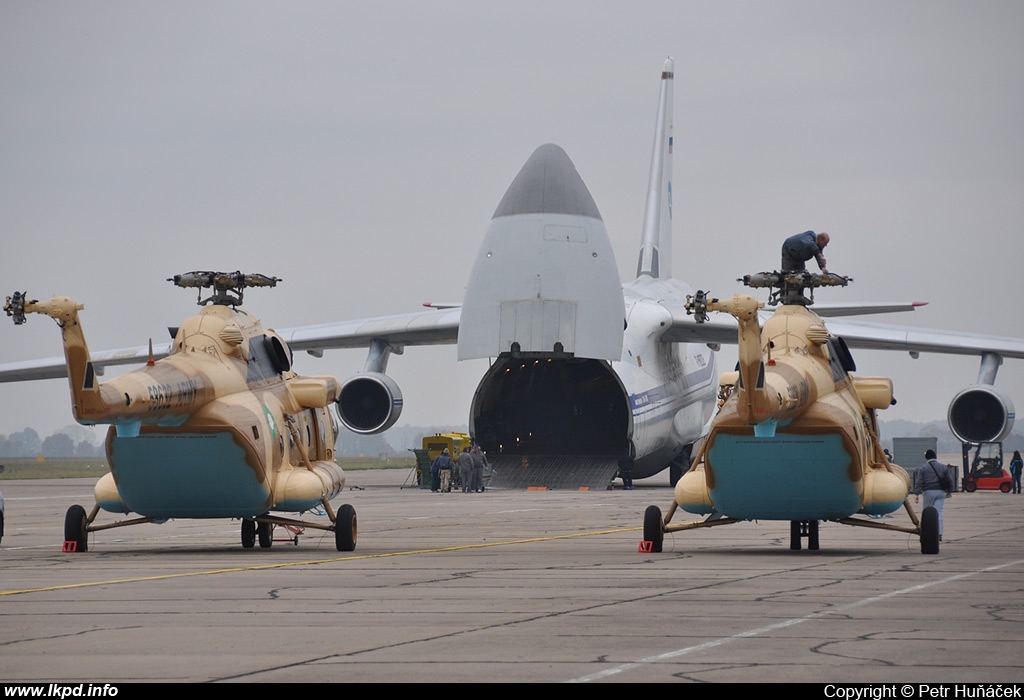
438, 327
56, 367
880, 336
441, 327
720, 328
827, 309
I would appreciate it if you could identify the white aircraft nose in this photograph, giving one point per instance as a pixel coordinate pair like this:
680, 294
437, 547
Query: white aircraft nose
548, 184
545, 279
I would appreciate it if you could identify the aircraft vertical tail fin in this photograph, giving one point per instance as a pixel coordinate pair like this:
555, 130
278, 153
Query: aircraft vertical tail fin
656, 243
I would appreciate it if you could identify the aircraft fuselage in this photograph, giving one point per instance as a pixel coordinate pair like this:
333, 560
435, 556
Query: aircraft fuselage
670, 386
653, 402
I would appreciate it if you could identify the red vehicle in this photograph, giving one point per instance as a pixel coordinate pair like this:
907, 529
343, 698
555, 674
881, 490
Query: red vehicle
988, 476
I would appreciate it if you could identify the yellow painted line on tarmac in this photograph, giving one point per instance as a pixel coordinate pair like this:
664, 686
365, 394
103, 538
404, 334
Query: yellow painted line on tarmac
312, 562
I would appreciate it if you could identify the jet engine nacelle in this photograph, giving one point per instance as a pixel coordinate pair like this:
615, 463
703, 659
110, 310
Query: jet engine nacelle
981, 413
369, 403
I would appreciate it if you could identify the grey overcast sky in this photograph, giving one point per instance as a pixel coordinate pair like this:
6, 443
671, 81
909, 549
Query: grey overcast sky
358, 150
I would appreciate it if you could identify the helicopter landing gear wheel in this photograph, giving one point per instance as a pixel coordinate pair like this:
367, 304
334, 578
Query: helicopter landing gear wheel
804, 528
248, 533
653, 532
930, 531
346, 529
812, 535
74, 529
798, 529
265, 531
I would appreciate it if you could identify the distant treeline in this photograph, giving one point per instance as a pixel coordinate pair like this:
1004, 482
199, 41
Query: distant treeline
27, 444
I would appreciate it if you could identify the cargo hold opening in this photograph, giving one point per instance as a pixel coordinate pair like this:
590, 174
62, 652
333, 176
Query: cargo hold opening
556, 406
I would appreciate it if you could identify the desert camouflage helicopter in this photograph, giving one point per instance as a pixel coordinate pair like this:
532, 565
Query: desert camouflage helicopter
796, 437
221, 427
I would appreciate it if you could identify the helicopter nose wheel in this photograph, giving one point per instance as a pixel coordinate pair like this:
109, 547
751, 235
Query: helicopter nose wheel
930, 531
653, 530
346, 529
76, 539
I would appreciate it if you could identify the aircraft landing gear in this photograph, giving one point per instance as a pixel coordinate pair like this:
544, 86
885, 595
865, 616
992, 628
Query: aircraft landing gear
261, 528
653, 531
248, 533
798, 529
679, 466
74, 530
345, 529
265, 532
930, 531
251, 530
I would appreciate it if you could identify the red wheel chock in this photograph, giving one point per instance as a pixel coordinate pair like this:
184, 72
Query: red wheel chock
70, 546
646, 547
